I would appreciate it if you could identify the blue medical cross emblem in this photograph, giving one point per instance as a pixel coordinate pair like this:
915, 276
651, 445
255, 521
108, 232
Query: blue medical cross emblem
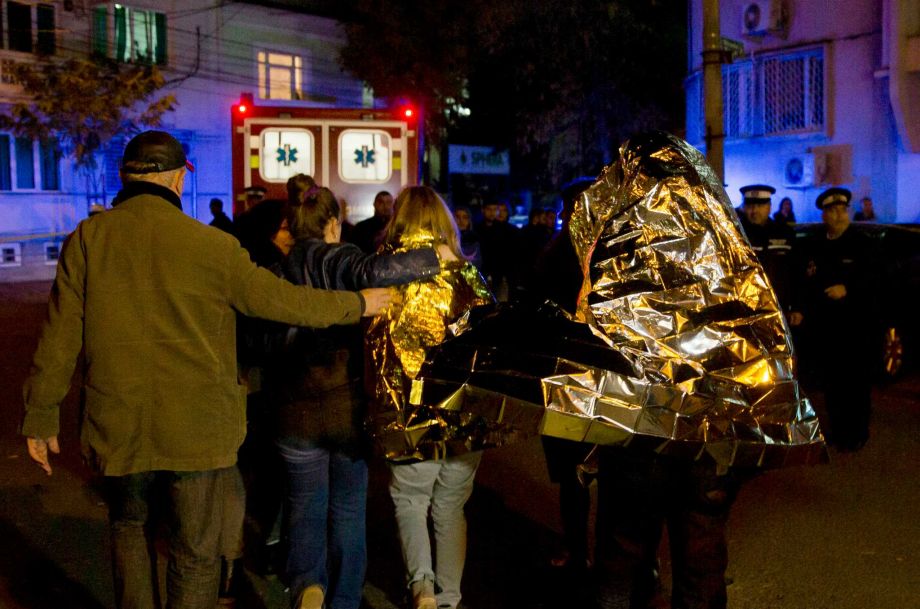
364, 157
287, 155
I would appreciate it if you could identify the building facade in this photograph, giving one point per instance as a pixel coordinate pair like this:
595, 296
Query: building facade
819, 93
210, 52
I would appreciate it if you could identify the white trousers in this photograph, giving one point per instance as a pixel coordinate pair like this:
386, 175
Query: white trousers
443, 486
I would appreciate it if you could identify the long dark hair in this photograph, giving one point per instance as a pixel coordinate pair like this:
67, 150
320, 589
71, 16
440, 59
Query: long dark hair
256, 227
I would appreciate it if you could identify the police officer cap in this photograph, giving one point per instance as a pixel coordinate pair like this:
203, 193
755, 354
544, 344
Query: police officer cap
154, 152
833, 196
757, 193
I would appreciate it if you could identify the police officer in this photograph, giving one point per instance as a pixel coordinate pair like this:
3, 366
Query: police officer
773, 242
248, 199
839, 275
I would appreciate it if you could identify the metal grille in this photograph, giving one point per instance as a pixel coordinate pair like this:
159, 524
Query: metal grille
775, 95
738, 99
793, 94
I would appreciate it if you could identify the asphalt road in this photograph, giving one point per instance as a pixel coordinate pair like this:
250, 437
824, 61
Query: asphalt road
839, 536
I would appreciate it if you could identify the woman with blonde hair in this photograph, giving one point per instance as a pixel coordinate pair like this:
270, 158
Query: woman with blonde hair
318, 388
398, 343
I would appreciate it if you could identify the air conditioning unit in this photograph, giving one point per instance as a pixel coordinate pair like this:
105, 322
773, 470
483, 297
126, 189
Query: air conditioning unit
762, 17
799, 171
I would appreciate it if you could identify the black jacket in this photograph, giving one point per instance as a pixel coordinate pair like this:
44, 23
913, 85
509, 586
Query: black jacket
316, 381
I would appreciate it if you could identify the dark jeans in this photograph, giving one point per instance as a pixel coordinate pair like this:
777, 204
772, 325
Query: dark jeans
194, 505
562, 459
639, 495
846, 375
325, 521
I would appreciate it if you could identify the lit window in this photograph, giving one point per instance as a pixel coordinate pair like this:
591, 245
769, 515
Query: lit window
280, 75
25, 163
22, 159
6, 173
365, 156
140, 35
50, 159
10, 254
285, 152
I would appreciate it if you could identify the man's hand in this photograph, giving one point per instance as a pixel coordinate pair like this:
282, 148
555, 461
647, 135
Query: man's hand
376, 300
795, 318
38, 450
836, 292
445, 253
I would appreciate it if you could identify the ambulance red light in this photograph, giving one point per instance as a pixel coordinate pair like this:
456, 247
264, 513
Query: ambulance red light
408, 112
242, 108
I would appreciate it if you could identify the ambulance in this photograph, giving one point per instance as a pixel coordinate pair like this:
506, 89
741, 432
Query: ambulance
355, 152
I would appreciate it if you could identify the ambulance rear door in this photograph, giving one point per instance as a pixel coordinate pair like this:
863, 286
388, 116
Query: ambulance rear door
364, 158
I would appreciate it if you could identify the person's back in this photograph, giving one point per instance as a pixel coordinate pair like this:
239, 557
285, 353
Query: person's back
158, 289
221, 220
369, 234
149, 294
500, 249
398, 344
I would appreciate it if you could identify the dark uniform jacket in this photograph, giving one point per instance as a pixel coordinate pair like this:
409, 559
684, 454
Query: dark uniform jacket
774, 244
849, 260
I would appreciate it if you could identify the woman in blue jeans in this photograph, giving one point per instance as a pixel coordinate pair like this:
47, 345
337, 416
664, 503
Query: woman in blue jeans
317, 386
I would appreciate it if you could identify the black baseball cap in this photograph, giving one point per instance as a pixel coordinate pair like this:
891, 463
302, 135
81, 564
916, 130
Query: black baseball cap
154, 152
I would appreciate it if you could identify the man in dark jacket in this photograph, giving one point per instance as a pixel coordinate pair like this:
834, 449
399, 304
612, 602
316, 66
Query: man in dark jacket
499, 244
840, 267
368, 234
150, 295
774, 243
221, 220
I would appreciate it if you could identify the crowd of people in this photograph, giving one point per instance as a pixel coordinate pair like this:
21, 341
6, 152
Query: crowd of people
181, 325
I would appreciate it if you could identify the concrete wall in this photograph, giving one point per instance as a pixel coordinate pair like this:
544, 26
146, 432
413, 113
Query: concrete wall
858, 105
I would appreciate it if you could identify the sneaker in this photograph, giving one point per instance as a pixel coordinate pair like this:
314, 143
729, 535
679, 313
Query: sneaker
311, 598
423, 594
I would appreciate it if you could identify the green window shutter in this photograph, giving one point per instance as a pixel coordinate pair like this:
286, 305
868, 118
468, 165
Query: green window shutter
6, 178
160, 58
50, 161
25, 168
44, 16
101, 30
122, 48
